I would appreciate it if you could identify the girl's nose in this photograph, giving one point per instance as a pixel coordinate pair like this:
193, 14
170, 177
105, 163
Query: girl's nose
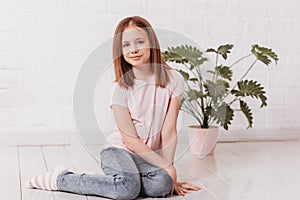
134, 50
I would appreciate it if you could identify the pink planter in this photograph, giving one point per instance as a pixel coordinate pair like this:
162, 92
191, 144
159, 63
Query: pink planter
203, 141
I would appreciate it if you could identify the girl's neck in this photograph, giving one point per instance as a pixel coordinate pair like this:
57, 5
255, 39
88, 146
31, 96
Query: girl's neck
142, 72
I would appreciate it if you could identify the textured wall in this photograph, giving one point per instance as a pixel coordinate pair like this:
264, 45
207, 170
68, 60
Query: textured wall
43, 44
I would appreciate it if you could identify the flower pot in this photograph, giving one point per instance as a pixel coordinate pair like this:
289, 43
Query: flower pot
202, 141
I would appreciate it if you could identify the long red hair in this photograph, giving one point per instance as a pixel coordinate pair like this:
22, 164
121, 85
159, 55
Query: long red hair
123, 70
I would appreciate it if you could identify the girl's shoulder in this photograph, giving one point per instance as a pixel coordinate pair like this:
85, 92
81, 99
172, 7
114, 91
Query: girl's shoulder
117, 88
176, 77
176, 84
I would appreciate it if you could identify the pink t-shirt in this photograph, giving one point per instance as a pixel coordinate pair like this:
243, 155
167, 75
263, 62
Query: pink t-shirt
147, 105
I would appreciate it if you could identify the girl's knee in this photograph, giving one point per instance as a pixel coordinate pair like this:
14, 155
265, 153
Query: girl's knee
129, 188
160, 186
166, 183
111, 152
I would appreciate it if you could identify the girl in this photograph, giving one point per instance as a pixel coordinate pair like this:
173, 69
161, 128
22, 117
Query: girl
138, 157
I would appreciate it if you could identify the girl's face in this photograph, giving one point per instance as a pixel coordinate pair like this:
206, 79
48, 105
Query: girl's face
135, 46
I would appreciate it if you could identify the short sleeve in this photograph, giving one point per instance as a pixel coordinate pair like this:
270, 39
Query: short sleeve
178, 84
118, 96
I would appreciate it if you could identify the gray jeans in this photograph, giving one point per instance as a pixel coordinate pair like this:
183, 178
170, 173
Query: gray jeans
127, 176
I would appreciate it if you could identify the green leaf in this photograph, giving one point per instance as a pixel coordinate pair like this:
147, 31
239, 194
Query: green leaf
210, 71
211, 50
225, 72
193, 79
247, 112
185, 75
216, 89
224, 50
251, 88
182, 100
184, 54
172, 57
264, 54
223, 115
194, 95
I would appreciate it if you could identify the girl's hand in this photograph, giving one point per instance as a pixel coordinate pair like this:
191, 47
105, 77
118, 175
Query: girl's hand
181, 189
172, 172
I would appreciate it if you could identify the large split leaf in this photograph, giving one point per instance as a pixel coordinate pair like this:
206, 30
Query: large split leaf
216, 89
185, 75
264, 54
223, 71
223, 115
222, 50
251, 88
247, 112
184, 54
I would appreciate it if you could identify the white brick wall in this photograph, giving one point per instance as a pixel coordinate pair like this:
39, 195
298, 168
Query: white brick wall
43, 44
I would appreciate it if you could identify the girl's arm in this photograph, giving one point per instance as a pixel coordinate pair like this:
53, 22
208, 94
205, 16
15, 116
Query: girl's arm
169, 131
134, 144
169, 142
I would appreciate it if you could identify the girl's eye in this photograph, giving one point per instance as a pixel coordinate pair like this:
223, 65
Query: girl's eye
125, 45
141, 42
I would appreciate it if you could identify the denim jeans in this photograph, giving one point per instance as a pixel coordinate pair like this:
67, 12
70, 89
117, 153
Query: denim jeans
126, 176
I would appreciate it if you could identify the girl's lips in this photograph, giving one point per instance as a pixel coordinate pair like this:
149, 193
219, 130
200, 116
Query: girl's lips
135, 57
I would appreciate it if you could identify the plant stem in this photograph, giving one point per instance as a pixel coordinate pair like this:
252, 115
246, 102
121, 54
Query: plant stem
239, 60
202, 106
217, 57
234, 100
205, 121
210, 121
188, 84
191, 107
200, 80
251, 66
209, 103
199, 77
190, 69
193, 114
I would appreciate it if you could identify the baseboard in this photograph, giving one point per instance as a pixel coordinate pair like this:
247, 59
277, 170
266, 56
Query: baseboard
251, 135
259, 135
35, 139
65, 137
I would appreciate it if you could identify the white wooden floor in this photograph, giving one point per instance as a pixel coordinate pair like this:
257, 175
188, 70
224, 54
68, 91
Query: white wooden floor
245, 170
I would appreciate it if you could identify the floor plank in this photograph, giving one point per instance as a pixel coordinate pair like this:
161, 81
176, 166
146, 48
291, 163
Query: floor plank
32, 164
268, 171
56, 156
83, 162
9, 173
242, 170
213, 185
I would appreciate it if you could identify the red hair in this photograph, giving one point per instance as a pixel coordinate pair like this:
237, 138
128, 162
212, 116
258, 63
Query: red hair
123, 70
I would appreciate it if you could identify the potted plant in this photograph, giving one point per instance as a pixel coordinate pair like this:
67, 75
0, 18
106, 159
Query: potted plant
212, 101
